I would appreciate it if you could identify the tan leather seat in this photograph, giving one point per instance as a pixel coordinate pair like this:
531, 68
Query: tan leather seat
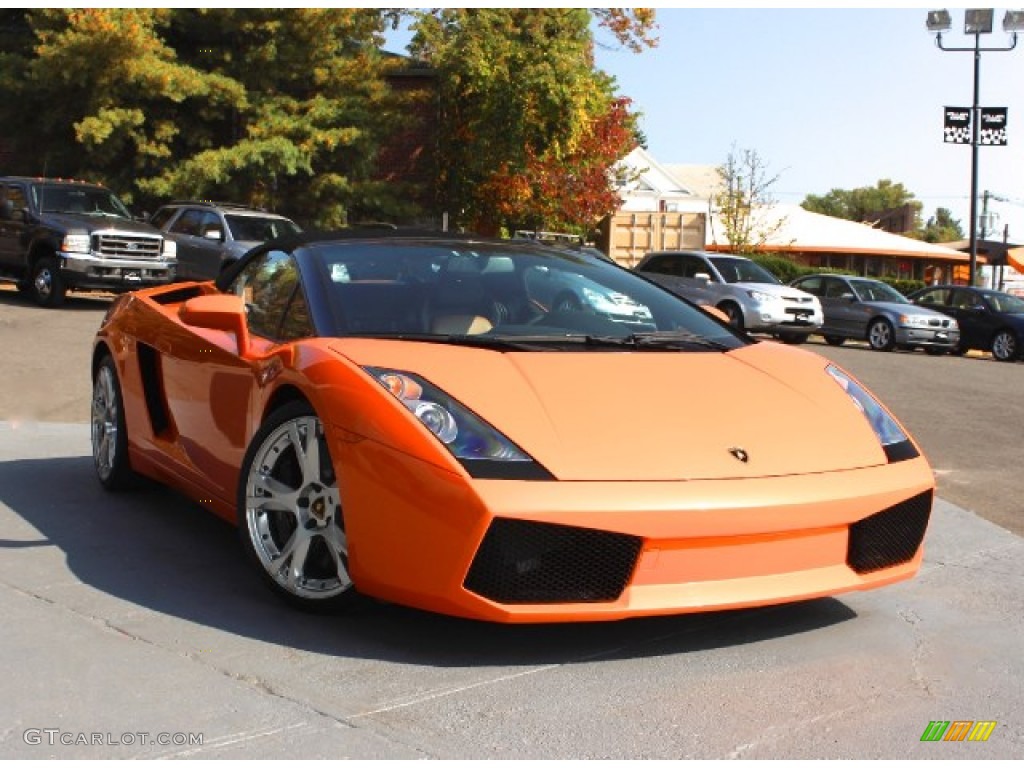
460, 324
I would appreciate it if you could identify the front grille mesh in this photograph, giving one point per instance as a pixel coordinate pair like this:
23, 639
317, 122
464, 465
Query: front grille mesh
115, 245
889, 537
520, 561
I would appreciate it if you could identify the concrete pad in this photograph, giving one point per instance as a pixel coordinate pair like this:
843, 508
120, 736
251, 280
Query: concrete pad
136, 613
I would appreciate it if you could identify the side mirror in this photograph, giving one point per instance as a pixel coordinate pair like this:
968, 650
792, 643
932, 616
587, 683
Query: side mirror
848, 297
218, 312
702, 277
213, 234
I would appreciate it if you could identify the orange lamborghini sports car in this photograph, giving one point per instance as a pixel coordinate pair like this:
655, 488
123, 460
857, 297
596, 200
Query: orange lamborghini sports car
503, 431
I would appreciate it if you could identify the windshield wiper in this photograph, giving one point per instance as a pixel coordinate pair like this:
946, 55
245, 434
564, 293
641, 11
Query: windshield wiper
500, 343
658, 340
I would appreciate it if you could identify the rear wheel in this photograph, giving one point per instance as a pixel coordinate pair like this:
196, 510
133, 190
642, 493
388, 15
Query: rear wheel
567, 303
289, 512
1004, 346
109, 435
835, 341
935, 351
880, 336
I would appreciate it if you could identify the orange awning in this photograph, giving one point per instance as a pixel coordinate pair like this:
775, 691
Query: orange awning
1015, 258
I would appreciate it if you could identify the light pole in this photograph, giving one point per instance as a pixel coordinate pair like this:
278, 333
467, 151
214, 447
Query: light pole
977, 22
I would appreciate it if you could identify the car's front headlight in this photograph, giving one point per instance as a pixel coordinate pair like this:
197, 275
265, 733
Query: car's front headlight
915, 321
479, 447
760, 296
894, 440
170, 249
76, 244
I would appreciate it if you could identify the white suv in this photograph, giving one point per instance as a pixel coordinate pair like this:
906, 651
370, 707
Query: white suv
751, 296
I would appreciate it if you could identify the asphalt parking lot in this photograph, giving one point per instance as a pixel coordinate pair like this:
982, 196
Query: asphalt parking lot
133, 625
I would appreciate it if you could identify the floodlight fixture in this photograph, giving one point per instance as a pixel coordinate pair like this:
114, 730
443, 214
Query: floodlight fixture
939, 21
978, 21
1013, 21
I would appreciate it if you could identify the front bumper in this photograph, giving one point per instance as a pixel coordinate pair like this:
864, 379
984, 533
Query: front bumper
783, 316
938, 338
80, 270
521, 551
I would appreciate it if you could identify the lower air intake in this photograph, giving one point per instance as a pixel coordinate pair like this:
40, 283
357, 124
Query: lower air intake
526, 562
889, 537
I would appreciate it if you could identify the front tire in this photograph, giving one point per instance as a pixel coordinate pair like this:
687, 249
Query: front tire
289, 512
734, 313
791, 337
45, 283
107, 426
1004, 346
881, 336
835, 341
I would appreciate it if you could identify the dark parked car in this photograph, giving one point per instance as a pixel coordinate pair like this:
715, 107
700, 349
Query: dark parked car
989, 320
873, 311
212, 236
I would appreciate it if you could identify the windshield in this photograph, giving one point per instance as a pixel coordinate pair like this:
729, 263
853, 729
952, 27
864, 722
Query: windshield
1005, 302
259, 229
872, 290
735, 270
65, 198
514, 296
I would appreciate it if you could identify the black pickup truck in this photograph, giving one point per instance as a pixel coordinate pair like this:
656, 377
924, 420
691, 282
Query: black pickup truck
57, 235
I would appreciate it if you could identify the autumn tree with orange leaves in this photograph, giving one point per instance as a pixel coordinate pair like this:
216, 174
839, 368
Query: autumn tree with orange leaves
529, 127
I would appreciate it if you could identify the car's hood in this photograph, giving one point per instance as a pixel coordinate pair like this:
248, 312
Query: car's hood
650, 415
83, 222
782, 291
905, 309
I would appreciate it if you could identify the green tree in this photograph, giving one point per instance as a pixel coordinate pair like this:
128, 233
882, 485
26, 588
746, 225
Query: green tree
744, 203
942, 228
315, 107
519, 93
96, 93
282, 107
864, 203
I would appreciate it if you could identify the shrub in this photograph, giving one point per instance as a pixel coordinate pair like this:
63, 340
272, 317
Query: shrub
788, 270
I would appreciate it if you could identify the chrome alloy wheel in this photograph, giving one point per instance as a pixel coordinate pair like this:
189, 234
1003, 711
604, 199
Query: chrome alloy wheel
1004, 346
105, 413
880, 336
293, 512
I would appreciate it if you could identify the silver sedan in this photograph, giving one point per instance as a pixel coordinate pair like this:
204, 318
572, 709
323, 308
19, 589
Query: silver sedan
870, 310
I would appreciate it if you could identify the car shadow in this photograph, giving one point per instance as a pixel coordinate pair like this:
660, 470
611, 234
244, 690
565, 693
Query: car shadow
157, 550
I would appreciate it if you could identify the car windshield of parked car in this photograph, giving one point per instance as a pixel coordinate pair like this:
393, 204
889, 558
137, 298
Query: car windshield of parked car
259, 229
516, 296
872, 290
91, 201
735, 270
1005, 302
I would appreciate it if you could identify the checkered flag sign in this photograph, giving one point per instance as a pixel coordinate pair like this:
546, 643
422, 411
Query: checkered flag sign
958, 125
993, 126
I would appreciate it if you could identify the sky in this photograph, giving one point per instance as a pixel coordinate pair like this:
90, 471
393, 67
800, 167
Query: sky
829, 98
